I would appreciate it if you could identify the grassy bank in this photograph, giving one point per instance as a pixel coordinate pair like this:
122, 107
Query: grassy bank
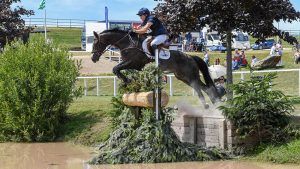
285, 153
88, 123
68, 37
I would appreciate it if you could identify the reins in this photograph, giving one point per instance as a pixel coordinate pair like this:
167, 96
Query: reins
130, 38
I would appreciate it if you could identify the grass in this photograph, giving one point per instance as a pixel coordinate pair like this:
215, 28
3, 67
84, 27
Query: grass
285, 153
88, 123
67, 37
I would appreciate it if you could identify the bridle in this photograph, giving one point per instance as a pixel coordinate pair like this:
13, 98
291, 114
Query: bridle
101, 53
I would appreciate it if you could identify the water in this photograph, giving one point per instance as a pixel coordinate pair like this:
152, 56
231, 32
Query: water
68, 156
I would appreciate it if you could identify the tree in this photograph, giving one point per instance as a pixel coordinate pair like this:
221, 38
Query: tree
224, 16
11, 23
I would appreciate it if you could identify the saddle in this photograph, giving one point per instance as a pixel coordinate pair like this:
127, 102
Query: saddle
164, 45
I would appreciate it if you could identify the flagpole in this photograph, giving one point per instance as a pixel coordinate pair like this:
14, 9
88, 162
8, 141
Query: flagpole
45, 25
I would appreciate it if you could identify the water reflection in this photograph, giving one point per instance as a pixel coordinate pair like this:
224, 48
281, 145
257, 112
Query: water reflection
68, 156
42, 156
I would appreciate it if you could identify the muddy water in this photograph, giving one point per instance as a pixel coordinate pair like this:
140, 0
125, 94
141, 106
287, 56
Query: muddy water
68, 156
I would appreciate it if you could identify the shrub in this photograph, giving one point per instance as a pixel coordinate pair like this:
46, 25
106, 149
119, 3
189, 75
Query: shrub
258, 110
145, 139
37, 84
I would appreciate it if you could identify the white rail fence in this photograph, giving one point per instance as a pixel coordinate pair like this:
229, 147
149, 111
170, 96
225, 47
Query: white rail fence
171, 87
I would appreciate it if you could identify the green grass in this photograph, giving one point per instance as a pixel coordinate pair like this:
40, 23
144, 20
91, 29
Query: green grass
286, 153
88, 123
68, 37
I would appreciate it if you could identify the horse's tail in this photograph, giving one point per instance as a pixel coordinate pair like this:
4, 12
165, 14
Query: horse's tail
204, 69
205, 72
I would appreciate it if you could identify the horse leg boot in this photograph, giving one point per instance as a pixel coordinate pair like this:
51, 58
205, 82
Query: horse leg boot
117, 71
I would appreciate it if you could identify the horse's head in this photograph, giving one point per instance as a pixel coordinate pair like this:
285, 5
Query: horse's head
98, 48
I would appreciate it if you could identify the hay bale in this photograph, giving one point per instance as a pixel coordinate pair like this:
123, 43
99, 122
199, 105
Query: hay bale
144, 99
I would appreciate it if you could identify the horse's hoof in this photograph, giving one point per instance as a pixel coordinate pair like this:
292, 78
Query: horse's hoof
206, 106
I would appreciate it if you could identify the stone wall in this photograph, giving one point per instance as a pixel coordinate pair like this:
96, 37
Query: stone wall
209, 130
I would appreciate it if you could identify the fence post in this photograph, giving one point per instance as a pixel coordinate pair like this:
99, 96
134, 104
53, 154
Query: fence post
70, 23
85, 87
242, 77
57, 23
171, 86
299, 82
97, 86
115, 86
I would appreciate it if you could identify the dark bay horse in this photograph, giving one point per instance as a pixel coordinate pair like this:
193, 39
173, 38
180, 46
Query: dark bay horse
185, 67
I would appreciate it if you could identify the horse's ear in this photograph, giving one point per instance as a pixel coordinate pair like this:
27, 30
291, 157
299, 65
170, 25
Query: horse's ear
96, 35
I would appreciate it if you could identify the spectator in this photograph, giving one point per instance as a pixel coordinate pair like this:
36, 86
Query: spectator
273, 50
280, 52
217, 61
237, 57
235, 64
206, 58
188, 37
188, 40
243, 61
254, 60
220, 86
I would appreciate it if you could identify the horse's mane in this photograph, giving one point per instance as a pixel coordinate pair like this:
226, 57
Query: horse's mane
121, 31
116, 30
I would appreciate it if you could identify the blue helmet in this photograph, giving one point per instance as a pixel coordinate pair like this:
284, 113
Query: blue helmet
143, 11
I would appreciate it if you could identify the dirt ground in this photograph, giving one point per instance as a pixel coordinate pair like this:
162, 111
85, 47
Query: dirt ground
103, 66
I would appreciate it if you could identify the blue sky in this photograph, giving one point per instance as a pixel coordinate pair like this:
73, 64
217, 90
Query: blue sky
118, 9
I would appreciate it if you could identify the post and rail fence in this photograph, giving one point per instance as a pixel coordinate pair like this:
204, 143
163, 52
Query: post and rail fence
171, 81
59, 23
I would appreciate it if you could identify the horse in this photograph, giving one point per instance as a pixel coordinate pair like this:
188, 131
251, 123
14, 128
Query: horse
185, 67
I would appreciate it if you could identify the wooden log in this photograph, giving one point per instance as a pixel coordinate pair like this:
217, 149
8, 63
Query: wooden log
144, 99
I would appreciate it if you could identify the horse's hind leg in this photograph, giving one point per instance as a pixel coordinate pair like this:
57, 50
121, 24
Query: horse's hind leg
196, 85
121, 66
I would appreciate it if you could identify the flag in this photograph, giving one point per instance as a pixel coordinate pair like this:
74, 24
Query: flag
42, 4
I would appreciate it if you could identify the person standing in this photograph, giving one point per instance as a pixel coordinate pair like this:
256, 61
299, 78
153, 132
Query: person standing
206, 58
280, 52
273, 50
254, 60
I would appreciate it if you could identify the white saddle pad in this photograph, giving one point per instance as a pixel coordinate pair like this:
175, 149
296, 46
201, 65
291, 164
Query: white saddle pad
163, 53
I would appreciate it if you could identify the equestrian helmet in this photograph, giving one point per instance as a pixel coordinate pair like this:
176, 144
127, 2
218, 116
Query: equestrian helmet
143, 11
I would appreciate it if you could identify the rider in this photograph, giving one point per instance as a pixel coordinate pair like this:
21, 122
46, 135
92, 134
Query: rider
153, 26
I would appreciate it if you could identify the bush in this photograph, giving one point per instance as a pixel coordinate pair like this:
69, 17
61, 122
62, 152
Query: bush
144, 139
258, 110
37, 84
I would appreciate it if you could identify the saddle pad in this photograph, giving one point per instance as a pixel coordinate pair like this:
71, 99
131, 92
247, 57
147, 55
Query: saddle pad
163, 53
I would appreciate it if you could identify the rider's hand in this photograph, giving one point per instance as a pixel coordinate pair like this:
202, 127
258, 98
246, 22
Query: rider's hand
131, 30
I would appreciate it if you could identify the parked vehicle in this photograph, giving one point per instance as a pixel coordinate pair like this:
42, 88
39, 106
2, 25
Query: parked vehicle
267, 44
217, 48
240, 40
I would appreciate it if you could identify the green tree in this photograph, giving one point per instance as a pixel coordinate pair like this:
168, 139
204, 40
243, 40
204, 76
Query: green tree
37, 85
252, 16
11, 23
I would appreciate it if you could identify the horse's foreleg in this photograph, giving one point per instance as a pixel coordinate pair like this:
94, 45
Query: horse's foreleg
121, 66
